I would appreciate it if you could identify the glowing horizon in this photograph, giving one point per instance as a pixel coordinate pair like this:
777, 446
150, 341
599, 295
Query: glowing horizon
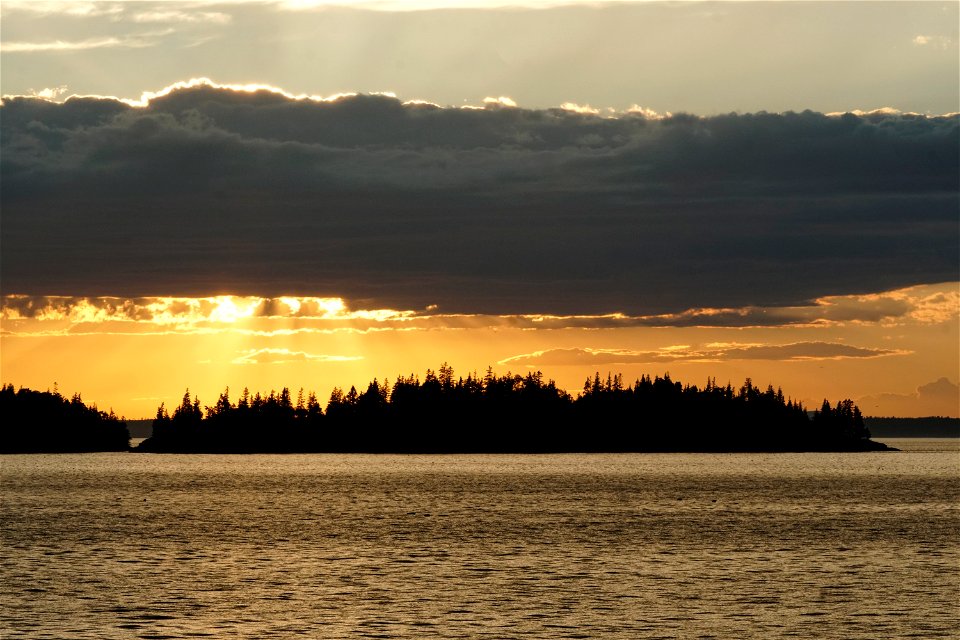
270, 342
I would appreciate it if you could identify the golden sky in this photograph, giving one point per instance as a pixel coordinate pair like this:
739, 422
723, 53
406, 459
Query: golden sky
887, 350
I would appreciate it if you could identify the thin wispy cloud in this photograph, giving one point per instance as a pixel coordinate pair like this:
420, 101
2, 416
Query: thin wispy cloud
588, 357
134, 41
75, 8
80, 8
426, 5
286, 356
177, 16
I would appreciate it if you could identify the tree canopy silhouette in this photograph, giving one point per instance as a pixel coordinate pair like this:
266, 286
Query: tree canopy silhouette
46, 422
512, 413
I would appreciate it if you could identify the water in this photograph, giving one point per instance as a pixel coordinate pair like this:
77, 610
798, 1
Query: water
561, 546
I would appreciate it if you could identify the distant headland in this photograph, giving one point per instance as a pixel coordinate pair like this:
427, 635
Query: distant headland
927, 427
47, 422
442, 414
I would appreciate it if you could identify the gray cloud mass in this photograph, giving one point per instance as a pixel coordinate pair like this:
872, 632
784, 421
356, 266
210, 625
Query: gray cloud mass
498, 210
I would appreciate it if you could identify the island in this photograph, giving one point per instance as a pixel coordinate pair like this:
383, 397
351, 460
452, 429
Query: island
441, 413
511, 413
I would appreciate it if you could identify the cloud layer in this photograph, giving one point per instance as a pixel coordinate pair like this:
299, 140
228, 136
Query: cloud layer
29, 315
499, 210
686, 353
286, 356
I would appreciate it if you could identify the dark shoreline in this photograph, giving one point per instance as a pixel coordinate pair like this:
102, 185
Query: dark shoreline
865, 446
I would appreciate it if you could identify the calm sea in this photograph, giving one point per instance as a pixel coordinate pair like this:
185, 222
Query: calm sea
557, 546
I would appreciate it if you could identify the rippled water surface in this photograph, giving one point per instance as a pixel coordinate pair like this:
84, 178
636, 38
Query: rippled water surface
560, 546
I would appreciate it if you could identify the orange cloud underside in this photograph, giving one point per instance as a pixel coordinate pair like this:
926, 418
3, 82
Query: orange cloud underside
130, 354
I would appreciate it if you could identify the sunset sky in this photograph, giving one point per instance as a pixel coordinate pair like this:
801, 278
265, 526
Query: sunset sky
305, 194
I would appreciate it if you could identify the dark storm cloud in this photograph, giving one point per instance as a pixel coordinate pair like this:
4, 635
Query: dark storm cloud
500, 210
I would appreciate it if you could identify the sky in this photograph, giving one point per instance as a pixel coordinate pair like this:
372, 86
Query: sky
304, 194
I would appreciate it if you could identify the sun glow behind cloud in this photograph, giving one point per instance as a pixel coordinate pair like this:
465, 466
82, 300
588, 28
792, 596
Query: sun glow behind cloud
251, 87
126, 351
185, 312
59, 94
24, 315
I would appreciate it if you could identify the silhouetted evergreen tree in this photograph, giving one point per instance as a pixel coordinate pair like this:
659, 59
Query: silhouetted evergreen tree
500, 413
46, 422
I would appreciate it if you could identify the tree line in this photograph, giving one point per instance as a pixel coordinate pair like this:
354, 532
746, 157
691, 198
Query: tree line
511, 413
47, 422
